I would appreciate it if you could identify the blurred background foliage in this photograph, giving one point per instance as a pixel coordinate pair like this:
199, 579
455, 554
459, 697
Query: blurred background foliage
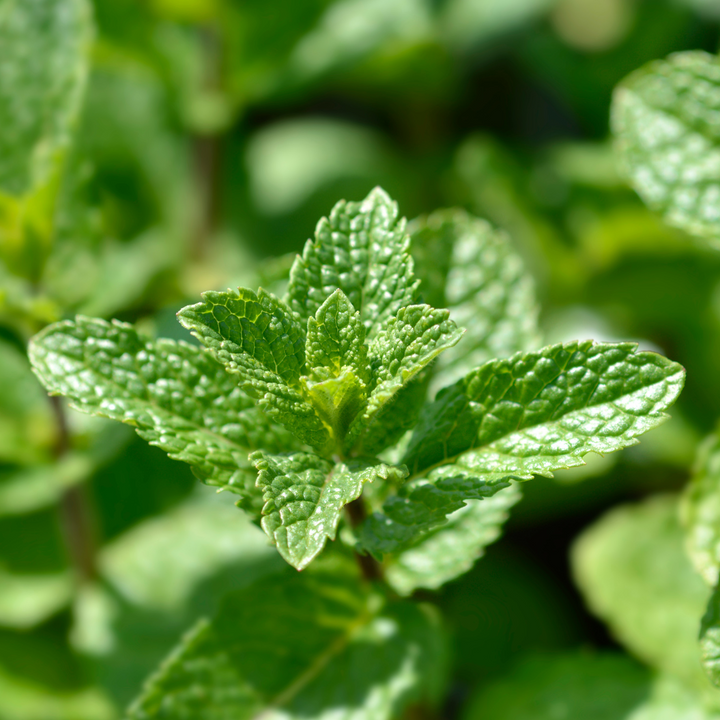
211, 137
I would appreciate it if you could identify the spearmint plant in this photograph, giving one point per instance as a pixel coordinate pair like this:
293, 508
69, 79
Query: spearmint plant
349, 410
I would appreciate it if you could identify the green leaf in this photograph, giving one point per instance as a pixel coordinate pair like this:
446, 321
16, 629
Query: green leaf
304, 646
45, 45
542, 411
26, 600
710, 639
453, 549
363, 250
668, 139
405, 345
174, 394
634, 574
700, 511
579, 685
671, 699
304, 497
488, 291
257, 337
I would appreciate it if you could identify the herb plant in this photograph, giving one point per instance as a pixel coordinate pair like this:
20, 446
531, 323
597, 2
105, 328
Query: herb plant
313, 408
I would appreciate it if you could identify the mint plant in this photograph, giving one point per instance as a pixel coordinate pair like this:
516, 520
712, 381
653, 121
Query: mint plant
313, 410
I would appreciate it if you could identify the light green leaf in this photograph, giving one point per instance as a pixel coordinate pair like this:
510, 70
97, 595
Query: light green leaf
42, 75
544, 410
405, 345
26, 600
671, 699
257, 337
710, 639
362, 249
454, 548
304, 497
303, 646
668, 139
174, 394
576, 686
635, 575
700, 512
488, 291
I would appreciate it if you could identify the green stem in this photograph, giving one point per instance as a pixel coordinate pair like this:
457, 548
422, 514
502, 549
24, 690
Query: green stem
369, 567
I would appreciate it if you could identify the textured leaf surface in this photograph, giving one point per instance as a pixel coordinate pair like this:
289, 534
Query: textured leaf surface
664, 117
488, 292
634, 574
544, 410
257, 337
362, 248
306, 646
405, 345
701, 512
454, 548
175, 394
304, 497
577, 686
44, 51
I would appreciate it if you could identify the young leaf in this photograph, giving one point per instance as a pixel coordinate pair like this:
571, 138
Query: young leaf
542, 411
701, 512
257, 337
304, 497
488, 292
306, 646
42, 77
175, 394
363, 250
512, 419
454, 548
635, 575
668, 139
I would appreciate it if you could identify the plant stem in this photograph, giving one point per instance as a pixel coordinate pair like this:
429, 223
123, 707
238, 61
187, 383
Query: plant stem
369, 567
75, 512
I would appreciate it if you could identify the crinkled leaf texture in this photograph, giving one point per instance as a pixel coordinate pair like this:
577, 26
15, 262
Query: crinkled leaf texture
486, 288
258, 337
452, 549
304, 497
312, 645
174, 394
512, 419
664, 117
363, 249
44, 45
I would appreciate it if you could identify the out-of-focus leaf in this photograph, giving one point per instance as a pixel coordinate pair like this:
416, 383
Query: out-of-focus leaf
633, 571
312, 645
573, 686
452, 549
26, 600
23, 700
671, 699
710, 639
668, 139
701, 512
290, 160
44, 45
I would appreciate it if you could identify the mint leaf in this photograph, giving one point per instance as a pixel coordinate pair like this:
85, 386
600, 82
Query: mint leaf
668, 139
362, 249
257, 337
174, 394
308, 645
512, 419
672, 699
27, 600
633, 571
542, 411
304, 496
45, 45
488, 292
701, 512
453, 549
710, 639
